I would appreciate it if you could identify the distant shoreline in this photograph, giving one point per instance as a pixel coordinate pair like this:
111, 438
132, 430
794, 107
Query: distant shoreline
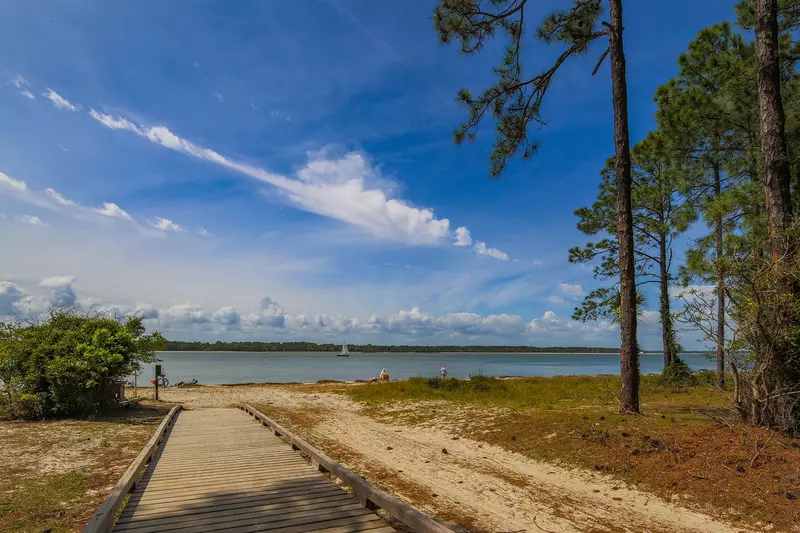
477, 352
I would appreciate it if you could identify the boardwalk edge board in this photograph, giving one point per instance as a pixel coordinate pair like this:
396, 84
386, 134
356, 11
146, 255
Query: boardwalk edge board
369, 496
103, 520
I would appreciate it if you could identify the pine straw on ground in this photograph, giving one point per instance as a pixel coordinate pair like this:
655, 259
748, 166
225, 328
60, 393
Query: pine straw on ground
686, 447
56, 473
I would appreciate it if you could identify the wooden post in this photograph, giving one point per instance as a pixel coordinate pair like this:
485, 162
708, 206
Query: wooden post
158, 374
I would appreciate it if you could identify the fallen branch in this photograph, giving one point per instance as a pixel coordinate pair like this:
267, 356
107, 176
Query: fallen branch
759, 450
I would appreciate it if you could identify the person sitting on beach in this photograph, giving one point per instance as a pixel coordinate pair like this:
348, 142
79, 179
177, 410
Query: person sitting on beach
444, 371
384, 375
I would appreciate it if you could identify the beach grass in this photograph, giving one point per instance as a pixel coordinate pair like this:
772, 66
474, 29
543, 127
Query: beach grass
538, 392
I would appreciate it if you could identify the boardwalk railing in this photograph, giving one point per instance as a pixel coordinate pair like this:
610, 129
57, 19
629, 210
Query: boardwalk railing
103, 520
369, 496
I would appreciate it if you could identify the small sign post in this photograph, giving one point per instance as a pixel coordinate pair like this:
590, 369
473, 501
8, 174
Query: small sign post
158, 375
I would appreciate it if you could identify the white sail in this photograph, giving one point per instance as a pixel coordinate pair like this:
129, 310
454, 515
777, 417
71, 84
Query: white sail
344, 350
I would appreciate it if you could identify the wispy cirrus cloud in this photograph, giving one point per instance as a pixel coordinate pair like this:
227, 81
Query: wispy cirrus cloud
59, 101
22, 85
33, 220
343, 188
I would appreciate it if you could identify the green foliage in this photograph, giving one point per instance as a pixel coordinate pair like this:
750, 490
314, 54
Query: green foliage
65, 365
515, 100
257, 346
677, 373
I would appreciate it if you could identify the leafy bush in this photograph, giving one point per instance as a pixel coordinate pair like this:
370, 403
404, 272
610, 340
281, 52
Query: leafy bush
27, 406
66, 365
706, 377
677, 373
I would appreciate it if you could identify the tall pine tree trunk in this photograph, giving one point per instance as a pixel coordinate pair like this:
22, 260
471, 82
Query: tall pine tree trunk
667, 334
629, 360
771, 125
720, 284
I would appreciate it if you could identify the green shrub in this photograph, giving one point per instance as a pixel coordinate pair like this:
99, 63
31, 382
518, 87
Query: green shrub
28, 407
69, 362
677, 373
706, 377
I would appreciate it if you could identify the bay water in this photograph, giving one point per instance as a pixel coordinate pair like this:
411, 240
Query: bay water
214, 368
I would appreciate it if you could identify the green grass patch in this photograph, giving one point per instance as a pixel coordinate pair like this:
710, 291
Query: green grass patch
39, 503
545, 393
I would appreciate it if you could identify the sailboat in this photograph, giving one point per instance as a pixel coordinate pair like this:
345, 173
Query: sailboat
345, 352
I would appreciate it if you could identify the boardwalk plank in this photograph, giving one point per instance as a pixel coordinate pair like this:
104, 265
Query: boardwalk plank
218, 471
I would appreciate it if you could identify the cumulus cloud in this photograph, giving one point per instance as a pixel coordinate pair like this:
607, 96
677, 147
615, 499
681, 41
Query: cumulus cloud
32, 220
110, 209
187, 314
226, 316
463, 237
570, 290
59, 101
62, 294
269, 315
482, 249
164, 224
346, 188
557, 326
10, 296
555, 299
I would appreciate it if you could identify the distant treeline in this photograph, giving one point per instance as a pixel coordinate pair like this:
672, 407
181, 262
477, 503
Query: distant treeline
218, 346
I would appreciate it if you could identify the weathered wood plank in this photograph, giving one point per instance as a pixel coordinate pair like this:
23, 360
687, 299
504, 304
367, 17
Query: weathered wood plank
102, 520
369, 495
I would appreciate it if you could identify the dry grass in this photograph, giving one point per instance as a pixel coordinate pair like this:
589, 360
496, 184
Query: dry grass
56, 473
687, 446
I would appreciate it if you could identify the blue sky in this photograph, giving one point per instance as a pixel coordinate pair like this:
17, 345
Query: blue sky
275, 170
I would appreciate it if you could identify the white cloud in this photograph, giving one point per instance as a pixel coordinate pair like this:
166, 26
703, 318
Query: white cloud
218, 95
204, 232
110, 209
165, 224
570, 290
344, 188
570, 330
481, 249
58, 198
182, 315
62, 147
692, 291
59, 101
32, 220
555, 299
10, 296
62, 294
463, 237
15, 185
22, 84
19, 82
226, 316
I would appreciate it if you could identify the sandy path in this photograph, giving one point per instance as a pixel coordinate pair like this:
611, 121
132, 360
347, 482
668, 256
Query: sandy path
498, 490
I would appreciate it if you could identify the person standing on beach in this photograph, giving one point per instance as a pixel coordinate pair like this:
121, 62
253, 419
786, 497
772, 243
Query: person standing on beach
444, 371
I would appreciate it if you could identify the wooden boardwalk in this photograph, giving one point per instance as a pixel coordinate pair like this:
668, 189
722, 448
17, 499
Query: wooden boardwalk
219, 470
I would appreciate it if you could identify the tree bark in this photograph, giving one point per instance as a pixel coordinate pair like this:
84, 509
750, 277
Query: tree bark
667, 339
771, 125
629, 360
720, 285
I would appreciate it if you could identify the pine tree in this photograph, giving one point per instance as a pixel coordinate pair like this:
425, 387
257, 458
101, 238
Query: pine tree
515, 103
660, 214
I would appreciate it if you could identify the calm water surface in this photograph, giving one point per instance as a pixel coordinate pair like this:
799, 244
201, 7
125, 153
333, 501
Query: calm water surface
211, 368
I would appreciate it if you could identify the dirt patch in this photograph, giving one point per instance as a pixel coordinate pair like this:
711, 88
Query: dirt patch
56, 473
